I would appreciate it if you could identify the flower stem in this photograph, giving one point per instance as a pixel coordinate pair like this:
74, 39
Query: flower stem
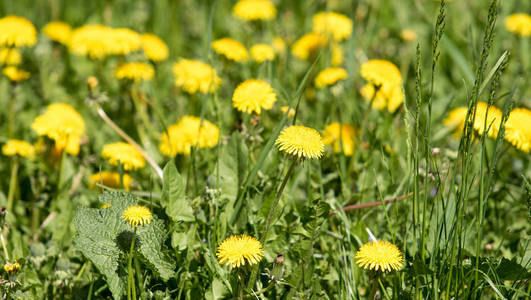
12, 184
11, 112
270, 215
6, 254
131, 291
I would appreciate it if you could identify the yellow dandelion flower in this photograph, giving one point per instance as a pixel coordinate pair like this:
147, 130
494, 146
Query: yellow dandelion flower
408, 35
194, 75
136, 71
109, 179
17, 32
15, 74
90, 40
332, 24
307, 45
231, 49
291, 113
330, 76
279, 45
337, 54
10, 56
379, 256
262, 52
336, 137
484, 119
300, 141
128, 156
519, 24
385, 78
251, 10
239, 250
188, 133
518, 129
63, 124
253, 95
11, 267
154, 48
106, 205
137, 215
123, 41
58, 31
17, 147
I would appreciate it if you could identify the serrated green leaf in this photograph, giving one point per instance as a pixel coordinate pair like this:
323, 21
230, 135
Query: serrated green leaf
100, 232
173, 195
151, 247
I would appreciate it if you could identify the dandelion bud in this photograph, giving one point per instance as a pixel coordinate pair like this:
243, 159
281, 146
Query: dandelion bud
92, 82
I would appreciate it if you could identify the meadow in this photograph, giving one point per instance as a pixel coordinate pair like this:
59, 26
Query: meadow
265, 149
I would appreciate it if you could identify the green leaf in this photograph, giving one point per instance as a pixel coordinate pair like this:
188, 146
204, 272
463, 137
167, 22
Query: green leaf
152, 248
173, 195
96, 241
511, 270
102, 234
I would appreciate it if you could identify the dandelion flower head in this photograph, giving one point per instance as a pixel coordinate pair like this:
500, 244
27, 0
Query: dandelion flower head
338, 57
301, 142
194, 75
519, 24
123, 41
10, 56
262, 52
253, 95
11, 267
408, 35
379, 256
109, 179
58, 31
332, 24
291, 112
307, 45
128, 156
252, 10
135, 71
518, 129
330, 76
63, 124
385, 78
137, 215
239, 250
18, 147
231, 49
91, 41
154, 48
279, 45
15, 74
179, 138
17, 32
484, 119
336, 137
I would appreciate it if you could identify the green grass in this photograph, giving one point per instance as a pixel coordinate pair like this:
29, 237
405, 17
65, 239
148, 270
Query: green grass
459, 209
